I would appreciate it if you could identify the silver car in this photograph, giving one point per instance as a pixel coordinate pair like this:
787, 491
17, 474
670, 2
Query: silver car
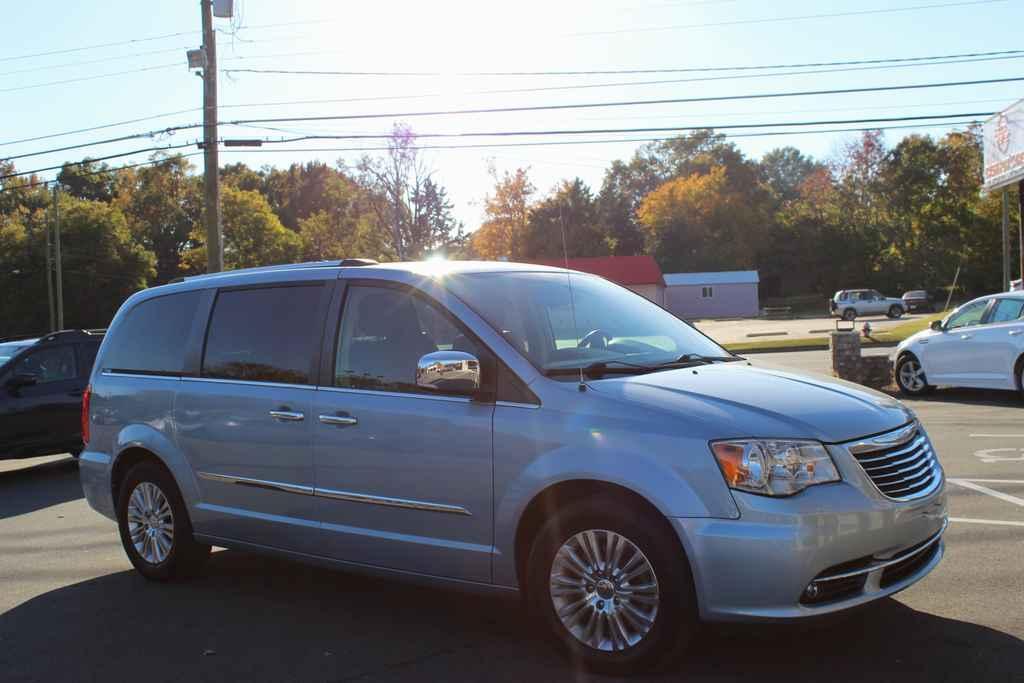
503, 427
849, 304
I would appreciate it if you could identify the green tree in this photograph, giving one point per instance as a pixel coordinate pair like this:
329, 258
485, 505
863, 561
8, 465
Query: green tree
89, 180
253, 234
570, 212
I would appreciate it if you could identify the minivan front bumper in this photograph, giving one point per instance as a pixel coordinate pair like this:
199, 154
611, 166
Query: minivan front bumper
858, 547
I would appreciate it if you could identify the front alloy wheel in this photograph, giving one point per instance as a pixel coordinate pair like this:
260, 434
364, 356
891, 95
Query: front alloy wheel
612, 583
910, 377
604, 590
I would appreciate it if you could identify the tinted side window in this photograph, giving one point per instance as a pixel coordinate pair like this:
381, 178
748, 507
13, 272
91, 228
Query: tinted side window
1007, 310
87, 356
384, 332
264, 335
49, 365
153, 336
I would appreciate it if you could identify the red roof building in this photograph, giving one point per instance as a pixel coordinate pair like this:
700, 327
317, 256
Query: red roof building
638, 273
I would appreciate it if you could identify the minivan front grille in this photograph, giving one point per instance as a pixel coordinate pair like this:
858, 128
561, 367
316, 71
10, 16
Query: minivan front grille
902, 465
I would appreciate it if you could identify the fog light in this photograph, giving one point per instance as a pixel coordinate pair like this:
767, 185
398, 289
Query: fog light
811, 591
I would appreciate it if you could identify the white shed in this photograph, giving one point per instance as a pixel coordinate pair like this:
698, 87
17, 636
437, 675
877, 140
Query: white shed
723, 294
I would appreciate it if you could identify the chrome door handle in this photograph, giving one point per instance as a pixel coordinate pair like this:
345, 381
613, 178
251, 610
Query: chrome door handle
287, 416
965, 336
1014, 333
342, 420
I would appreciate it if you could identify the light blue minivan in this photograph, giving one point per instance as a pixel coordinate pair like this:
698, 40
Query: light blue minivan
507, 427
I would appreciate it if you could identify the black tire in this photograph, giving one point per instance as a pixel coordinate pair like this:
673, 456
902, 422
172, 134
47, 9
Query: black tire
895, 312
676, 618
905, 387
185, 557
850, 314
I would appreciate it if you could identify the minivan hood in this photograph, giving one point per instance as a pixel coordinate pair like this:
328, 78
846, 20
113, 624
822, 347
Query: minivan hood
731, 400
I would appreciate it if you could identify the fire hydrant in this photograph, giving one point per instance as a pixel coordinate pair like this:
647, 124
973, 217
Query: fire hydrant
866, 330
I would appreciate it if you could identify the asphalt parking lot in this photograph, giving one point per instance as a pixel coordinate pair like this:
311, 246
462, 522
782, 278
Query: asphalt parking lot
753, 329
71, 608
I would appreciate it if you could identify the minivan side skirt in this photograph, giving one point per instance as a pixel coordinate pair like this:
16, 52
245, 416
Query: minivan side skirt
333, 494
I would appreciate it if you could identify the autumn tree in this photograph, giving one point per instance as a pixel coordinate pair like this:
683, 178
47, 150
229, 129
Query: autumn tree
507, 213
569, 214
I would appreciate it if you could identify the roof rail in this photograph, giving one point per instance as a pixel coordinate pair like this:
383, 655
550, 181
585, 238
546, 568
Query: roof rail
336, 263
59, 334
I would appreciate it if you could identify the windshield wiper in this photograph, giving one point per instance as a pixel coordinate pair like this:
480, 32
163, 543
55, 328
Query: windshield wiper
601, 368
698, 359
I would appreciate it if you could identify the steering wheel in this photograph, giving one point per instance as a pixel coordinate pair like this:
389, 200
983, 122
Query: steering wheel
589, 339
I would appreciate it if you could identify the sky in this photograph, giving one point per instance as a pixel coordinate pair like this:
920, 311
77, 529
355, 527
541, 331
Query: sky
49, 48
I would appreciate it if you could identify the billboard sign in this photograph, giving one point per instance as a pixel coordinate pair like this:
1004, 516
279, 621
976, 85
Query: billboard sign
1004, 148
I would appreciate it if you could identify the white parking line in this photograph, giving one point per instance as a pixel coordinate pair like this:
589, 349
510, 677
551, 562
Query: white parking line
964, 520
993, 481
997, 436
986, 490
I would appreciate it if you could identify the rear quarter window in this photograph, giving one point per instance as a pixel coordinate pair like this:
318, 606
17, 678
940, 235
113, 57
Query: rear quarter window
266, 334
153, 336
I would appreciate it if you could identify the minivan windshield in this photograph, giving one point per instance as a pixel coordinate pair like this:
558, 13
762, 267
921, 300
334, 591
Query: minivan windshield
608, 324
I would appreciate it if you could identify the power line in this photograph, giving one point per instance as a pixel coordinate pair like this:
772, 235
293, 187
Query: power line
122, 138
558, 143
605, 131
610, 72
130, 55
769, 20
93, 78
98, 46
93, 159
100, 127
625, 103
151, 162
621, 84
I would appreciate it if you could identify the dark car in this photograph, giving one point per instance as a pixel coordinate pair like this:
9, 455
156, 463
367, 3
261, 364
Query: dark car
41, 385
918, 300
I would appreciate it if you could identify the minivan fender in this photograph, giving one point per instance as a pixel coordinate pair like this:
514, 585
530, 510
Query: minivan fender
655, 481
152, 440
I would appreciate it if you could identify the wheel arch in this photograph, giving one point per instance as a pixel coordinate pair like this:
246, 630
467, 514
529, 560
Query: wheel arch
547, 502
138, 442
1018, 368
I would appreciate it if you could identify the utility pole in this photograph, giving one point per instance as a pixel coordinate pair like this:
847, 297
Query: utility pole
211, 165
57, 256
1006, 240
49, 267
1020, 226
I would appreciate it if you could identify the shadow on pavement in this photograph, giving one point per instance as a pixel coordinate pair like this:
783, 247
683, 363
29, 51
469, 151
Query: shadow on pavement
36, 487
977, 397
254, 619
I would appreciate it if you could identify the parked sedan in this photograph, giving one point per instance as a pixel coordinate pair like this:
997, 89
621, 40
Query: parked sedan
980, 344
918, 300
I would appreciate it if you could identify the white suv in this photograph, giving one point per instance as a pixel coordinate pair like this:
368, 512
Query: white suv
850, 303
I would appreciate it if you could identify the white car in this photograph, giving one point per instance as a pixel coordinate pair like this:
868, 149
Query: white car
979, 345
850, 304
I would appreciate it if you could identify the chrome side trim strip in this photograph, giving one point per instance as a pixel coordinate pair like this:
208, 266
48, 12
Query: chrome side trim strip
257, 483
395, 394
347, 496
513, 404
132, 375
246, 382
891, 561
350, 497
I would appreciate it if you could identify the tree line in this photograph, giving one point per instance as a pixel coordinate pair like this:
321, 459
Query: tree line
892, 218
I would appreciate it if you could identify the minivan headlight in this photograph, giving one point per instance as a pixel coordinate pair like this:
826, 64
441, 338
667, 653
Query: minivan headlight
774, 467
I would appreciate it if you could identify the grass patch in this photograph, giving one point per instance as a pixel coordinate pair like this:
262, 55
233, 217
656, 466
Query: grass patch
893, 335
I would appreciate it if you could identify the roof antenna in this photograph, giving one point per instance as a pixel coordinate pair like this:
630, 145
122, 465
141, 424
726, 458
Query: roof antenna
572, 299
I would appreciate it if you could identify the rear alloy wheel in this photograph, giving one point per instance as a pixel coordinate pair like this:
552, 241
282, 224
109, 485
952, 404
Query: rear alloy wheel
895, 311
155, 529
910, 377
849, 314
614, 587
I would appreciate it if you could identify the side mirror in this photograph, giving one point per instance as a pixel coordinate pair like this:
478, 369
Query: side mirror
449, 372
937, 325
22, 379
